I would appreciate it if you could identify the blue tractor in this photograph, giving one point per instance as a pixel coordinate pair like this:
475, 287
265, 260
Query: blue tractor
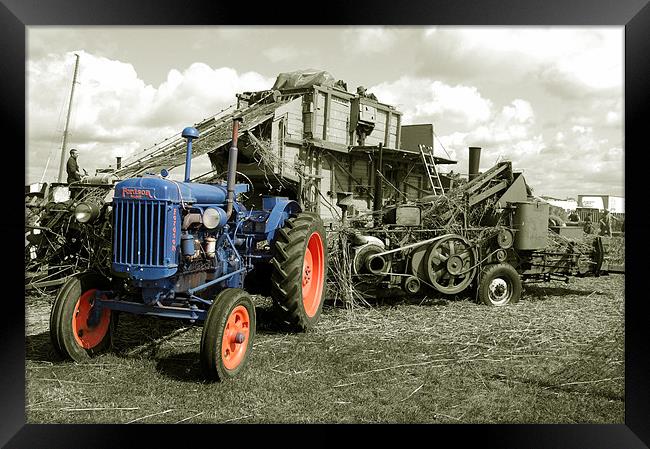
183, 250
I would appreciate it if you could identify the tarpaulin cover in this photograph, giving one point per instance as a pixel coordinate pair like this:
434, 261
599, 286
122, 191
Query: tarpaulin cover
303, 78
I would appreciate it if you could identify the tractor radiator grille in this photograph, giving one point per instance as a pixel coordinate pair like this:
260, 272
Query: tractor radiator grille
139, 230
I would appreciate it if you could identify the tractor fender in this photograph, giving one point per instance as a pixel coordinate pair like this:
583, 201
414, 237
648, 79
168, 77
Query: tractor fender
282, 209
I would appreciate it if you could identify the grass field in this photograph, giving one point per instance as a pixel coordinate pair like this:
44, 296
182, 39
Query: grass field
555, 357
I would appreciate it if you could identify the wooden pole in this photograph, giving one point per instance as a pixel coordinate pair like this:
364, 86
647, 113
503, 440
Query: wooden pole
67, 121
378, 202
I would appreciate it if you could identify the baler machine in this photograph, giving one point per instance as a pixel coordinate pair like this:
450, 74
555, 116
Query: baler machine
492, 256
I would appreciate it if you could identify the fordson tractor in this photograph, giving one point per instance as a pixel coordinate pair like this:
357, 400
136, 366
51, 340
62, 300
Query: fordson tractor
183, 250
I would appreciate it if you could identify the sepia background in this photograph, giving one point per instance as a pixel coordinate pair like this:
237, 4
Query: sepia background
548, 98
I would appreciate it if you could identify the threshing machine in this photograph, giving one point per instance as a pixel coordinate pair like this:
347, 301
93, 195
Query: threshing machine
183, 250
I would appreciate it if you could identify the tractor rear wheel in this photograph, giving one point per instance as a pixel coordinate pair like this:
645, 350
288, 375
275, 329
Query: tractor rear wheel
77, 330
299, 269
228, 334
500, 284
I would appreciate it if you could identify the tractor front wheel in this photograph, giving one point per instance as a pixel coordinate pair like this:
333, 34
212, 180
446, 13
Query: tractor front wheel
228, 334
500, 284
79, 330
299, 266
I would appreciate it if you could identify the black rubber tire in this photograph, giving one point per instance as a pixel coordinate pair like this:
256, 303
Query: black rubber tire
55, 317
212, 336
287, 265
61, 333
506, 273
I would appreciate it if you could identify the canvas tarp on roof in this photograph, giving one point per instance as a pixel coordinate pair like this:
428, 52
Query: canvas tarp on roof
303, 78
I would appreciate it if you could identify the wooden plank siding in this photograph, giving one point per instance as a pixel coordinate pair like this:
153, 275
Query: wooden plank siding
292, 111
339, 121
378, 134
319, 114
312, 134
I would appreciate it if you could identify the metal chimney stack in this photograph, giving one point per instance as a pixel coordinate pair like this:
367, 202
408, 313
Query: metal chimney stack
474, 161
232, 166
118, 162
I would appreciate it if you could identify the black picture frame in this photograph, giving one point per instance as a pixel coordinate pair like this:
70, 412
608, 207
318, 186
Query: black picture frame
16, 15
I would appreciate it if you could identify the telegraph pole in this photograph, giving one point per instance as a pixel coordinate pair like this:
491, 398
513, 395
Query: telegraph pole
67, 120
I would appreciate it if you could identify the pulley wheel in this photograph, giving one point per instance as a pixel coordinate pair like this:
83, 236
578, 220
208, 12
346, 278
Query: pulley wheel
505, 238
450, 264
416, 262
362, 265
411, 285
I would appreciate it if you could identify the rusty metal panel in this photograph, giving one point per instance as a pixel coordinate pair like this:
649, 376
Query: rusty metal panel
516, 192
405, 216
414, 135
531, 225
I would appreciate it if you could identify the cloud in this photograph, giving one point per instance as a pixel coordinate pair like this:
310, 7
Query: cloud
369, 39
573, 86
570, 63
281, 54
422, 100
505, 133
115, 113
573, 155
198, 92
553, 160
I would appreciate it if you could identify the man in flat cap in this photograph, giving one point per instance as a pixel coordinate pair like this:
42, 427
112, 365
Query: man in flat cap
73, 168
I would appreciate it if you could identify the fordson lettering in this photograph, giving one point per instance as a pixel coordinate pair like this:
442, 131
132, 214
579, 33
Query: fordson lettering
174, 233
130, 192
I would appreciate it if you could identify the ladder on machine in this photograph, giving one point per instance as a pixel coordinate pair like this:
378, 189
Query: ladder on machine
430, 167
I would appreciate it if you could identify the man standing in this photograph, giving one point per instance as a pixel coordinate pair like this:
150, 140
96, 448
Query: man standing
588, 226
606, 224
73, 168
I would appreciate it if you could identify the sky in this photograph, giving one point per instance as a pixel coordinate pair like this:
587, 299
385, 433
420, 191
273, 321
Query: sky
550, 99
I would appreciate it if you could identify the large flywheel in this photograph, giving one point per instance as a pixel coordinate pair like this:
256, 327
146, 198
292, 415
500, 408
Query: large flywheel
449, 264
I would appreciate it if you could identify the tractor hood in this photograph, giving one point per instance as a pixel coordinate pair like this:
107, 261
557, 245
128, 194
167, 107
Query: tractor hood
156, 188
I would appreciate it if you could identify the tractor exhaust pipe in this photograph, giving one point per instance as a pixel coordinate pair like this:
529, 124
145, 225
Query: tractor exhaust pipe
232, 167
474, 161
190, 134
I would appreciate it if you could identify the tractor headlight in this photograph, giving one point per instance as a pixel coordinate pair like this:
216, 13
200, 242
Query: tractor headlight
86, 212
214, 217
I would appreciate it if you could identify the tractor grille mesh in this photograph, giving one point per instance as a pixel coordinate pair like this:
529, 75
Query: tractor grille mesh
139, 230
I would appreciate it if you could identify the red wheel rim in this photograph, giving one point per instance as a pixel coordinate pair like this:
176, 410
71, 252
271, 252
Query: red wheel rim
313, 274
235, 337
85, 335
